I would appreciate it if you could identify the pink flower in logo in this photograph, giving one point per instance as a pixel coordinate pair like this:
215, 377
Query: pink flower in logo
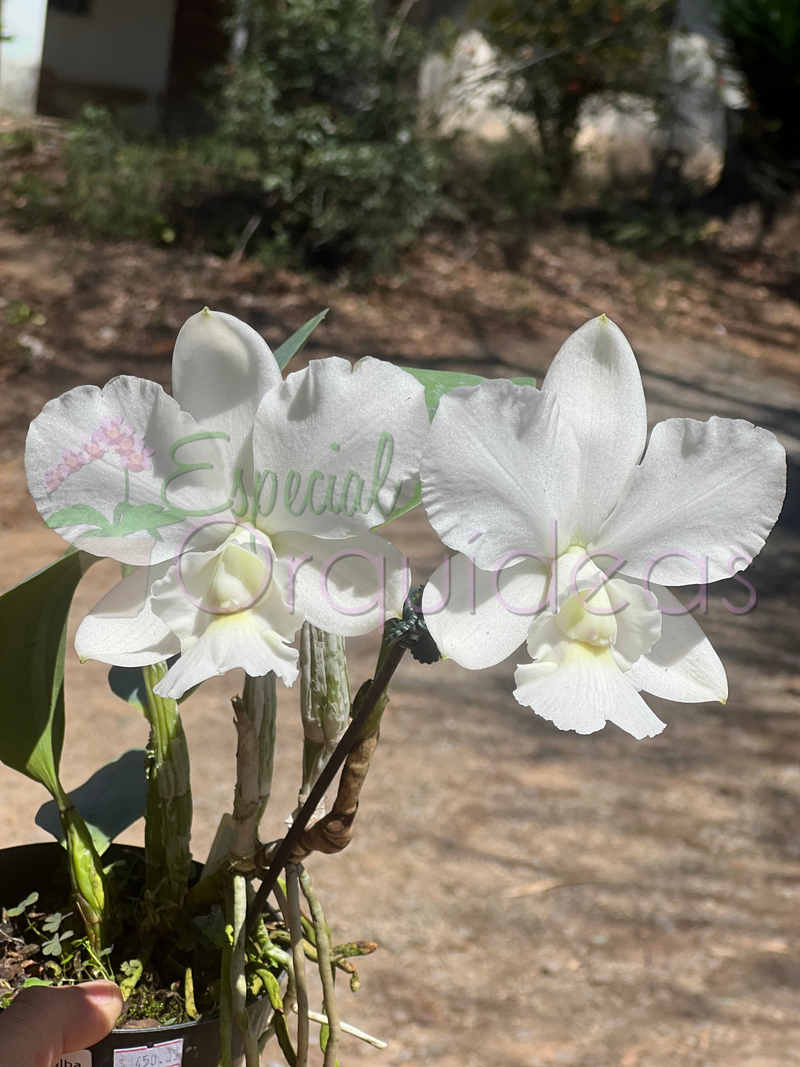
129, 443
139, 460
72, 461
114, 430
95, 446
53, 479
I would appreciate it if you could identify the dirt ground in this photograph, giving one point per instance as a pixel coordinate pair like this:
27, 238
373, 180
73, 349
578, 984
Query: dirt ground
539, 898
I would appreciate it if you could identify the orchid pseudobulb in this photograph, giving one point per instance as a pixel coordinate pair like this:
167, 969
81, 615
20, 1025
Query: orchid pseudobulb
562, 528
245, 504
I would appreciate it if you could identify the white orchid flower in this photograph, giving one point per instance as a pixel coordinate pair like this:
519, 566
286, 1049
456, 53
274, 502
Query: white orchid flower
245, 504
563, 527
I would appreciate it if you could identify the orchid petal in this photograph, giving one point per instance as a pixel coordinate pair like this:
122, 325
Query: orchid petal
599, 390
231, 579
582, 691
133, 512
122, 629
230, 641
479, 618
638, 621
227, 609
574, 573
342, 444
346, 587
499, 473
682, 665
221, 368
700, 505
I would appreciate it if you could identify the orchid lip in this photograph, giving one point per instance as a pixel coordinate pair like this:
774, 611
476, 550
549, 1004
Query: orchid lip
241, 577
578, 621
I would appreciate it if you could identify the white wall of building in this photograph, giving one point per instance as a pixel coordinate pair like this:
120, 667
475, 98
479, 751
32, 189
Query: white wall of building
123, 43
614, 138
23, 21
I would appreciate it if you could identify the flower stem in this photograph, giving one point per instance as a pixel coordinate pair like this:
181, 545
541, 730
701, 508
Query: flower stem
324, 702
333, 832
225, 1001
326, 972
85, 872
299, 961
255, 715
238, 979
255, 718
362, 715
168, 825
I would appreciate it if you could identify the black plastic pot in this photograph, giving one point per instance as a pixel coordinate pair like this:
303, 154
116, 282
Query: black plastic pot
26, 868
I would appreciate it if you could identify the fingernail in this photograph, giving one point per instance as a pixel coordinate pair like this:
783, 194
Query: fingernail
102, 993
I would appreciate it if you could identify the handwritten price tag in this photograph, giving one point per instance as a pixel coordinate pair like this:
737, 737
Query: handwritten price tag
168, 1054
76, 1059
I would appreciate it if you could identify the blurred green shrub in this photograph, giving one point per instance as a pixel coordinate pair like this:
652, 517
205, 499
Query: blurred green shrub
764, 36
644, 229
316, 155
34, 201
495, 184
561, 52
21, 141
325, 99
114, 187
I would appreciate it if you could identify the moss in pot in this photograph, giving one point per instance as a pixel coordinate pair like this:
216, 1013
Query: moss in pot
39, 946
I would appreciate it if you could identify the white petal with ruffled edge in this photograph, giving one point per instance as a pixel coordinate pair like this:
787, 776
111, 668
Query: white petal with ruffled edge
479, 618
221, 368
209, 600
342, 445
229, 642
121, 629
638, 618
346, 587
240, 574
500, 473
104, 505
599, 390
581, 688
682, 665
706, 494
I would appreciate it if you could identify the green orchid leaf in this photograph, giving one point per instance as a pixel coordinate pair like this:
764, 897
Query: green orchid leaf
133, 518
110, 801
78, 515
439, 382
33, 635
291, 347
128, 518
415, 501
